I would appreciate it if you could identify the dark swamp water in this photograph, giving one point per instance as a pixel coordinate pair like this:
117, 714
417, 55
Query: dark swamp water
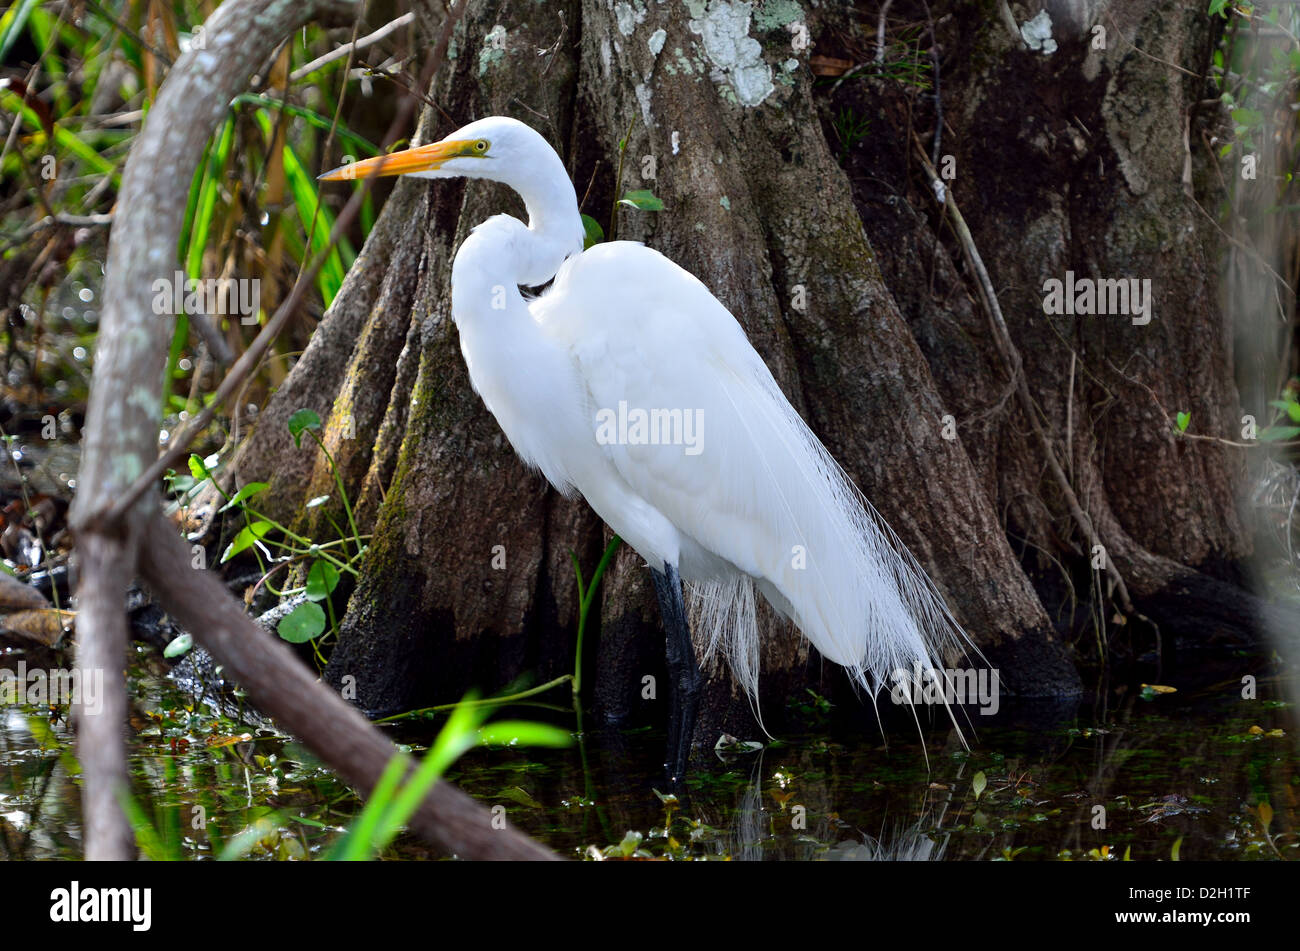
1196, 774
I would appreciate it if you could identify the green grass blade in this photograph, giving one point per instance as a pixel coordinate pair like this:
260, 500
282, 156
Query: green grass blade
356, 845
317, 222
12, 22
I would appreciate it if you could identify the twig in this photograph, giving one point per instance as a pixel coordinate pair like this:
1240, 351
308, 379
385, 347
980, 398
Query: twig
358, 44
1069, 416
60, 218
880, 32
1011, 355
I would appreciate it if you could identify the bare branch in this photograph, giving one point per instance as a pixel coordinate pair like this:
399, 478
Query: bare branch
360, 44
121, 430
281, 686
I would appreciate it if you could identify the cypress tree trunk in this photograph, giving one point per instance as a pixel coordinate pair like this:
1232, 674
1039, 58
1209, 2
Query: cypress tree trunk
802, 204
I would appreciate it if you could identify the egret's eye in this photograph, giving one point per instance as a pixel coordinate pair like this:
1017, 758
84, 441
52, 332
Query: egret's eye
481, 146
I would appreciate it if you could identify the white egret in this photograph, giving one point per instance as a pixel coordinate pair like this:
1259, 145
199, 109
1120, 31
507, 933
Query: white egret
629, 382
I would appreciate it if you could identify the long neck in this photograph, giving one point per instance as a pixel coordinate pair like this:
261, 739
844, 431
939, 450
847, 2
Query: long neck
519, 371
487, 272
554, 225
502, 253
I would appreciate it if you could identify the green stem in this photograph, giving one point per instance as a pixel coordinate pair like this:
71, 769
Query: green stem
584, 606
338, 481
485, 702
312, 548
618, 181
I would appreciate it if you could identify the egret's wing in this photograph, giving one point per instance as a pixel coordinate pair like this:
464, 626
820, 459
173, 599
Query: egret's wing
652, 343
749, 482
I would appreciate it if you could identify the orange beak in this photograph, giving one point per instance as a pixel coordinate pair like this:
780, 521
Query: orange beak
422, 158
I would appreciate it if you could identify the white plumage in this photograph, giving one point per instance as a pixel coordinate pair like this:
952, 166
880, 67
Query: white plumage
759, 505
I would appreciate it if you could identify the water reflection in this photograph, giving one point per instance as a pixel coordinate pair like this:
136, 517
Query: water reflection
1127, 772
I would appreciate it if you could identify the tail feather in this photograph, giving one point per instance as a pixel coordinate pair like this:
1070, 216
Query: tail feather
836, 568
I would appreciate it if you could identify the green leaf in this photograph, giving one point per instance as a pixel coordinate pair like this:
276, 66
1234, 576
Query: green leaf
12, 23
245, 538
524, 733
244, 494
593, 233
642, 199
300, 422
1183, 420
1291, 406
1278, 433
179, 645
303, 623
361, 837
1247, 117
979, 782
214, 179
197, 468
322, 579
631, 842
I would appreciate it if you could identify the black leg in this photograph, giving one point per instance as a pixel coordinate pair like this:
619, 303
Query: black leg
683, 671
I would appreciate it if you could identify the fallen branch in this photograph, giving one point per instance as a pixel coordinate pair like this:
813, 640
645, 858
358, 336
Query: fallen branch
280, 686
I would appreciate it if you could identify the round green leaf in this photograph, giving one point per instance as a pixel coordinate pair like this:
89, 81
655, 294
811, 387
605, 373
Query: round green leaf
593, 233
197, 469
303, 623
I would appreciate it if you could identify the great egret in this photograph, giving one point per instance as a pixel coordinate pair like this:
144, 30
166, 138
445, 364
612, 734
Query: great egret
627, 381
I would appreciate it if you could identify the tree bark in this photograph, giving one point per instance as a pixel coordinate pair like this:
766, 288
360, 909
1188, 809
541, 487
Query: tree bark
837, 261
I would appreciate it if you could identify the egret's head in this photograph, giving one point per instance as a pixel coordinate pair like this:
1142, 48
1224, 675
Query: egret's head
507, 151
497, 147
